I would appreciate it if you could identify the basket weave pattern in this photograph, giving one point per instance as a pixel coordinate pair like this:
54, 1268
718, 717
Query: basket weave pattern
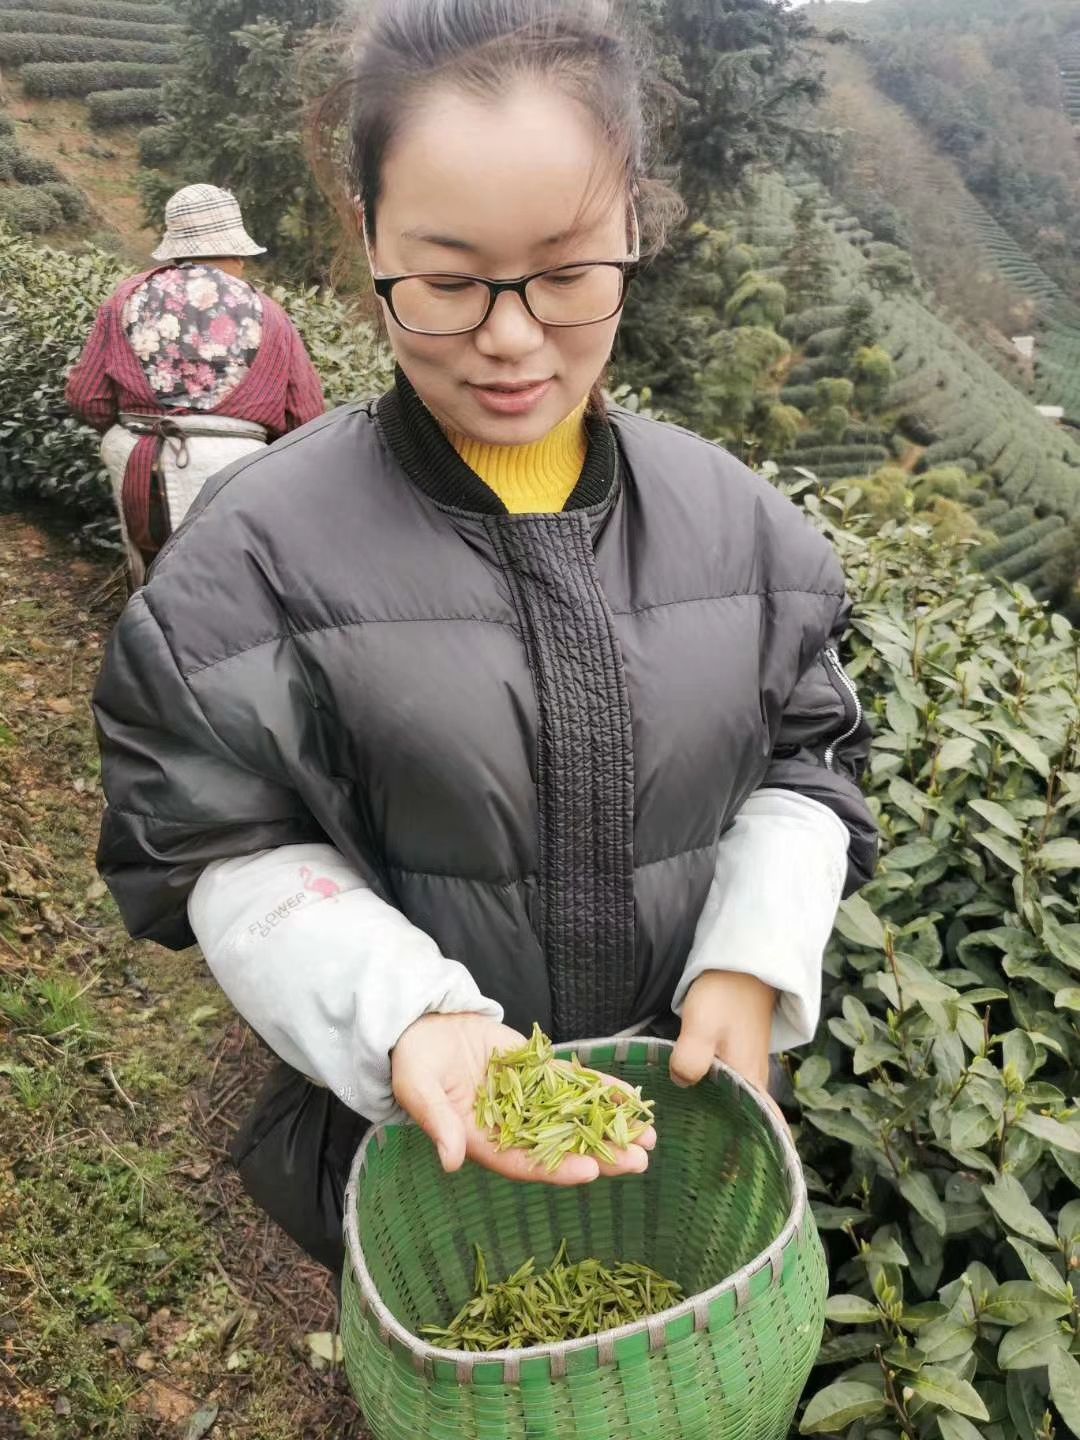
722, 1209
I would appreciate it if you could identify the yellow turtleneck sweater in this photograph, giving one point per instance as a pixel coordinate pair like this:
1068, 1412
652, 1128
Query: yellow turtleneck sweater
535, 479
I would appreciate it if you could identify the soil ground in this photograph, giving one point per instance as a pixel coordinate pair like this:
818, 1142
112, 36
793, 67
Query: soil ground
141, 1293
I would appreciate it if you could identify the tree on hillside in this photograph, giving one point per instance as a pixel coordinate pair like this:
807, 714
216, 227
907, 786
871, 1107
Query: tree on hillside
741, 73
740, 77
807, 274
248, 70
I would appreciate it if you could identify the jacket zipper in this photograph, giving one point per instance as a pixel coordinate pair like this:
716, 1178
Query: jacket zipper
833, 663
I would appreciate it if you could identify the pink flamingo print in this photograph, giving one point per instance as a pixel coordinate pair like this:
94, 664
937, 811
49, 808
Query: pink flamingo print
320, 885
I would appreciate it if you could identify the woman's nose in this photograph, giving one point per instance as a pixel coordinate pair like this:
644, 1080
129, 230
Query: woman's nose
510, 331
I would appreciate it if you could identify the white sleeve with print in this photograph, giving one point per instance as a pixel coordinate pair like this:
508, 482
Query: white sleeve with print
779, 876
327, 973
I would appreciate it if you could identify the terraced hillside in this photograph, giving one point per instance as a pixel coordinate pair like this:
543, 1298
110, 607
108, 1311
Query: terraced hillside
68, 147
113, 54
948, 406
1069, 61
954, 237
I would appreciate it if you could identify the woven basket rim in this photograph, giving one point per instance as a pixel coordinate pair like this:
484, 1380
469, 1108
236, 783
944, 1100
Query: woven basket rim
604, 1341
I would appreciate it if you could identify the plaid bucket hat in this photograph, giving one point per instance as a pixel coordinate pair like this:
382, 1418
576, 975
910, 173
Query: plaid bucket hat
202, 220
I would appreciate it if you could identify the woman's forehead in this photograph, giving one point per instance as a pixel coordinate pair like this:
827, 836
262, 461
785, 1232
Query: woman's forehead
526, 169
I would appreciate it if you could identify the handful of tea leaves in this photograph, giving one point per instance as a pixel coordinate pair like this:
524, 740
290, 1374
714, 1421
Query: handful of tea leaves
565, 1301
553, 1108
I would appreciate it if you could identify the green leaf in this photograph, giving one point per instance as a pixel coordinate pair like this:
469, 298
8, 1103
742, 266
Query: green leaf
858, 923
812, 1073
955, 1427
853, 1345
1027, 749
851, 1310
1010, 1203
1059, 855
971, 1128
842, 1126
1031, 1345
1042, 1270
997, 816
835, 1217
1026, 1400
942, 1387
840, 1405
1063, 941
956, 754
1068, 999
911, 855
905, 1357
1065, 1388
918, 1190
1000, 847
1064, 1137
1016, 1302
947, 1340
1069, 1222
902, 717
1018, 1051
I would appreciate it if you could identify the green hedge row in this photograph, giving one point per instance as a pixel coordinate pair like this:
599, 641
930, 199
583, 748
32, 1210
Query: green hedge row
44, 22
839, 454
856, 434
24, 169
71, 200
97, 9
818, 368
825, 342
82, 78
30, 49
803, 397
1020, 540
157, 144
804, 323
123, 107
29, 209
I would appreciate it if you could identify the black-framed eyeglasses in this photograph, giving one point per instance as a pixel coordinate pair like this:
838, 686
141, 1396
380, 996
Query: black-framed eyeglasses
448, 303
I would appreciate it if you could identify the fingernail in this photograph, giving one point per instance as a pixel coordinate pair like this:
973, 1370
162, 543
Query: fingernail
443, 1160
682, 1084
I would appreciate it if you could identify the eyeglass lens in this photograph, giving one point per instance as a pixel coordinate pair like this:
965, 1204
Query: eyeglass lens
443, 304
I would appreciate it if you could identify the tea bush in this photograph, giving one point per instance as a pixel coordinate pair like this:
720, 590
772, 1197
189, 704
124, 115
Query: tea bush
100, 9
123, 107
938, 1111
44, 22
25, 49
29, 210
81, 77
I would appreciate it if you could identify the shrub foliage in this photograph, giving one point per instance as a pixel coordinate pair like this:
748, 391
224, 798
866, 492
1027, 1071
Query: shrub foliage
81, 77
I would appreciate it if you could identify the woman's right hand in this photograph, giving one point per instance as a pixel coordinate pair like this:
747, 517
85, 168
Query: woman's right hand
436, 1068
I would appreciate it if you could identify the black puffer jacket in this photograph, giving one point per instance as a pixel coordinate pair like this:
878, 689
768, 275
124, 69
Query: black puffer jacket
527, 732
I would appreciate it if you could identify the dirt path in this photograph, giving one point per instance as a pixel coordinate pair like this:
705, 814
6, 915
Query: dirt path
141, 1295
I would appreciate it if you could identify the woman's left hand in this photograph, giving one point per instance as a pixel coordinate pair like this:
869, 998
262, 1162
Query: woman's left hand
726, 1016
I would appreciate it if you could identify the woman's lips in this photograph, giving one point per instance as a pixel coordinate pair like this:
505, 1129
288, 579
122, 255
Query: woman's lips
511, 399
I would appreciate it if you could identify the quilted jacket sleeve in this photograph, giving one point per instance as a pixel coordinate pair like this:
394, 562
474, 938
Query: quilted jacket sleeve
823, 746
177, 796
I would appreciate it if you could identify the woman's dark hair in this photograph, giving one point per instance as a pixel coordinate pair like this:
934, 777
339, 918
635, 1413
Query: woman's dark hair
482, 47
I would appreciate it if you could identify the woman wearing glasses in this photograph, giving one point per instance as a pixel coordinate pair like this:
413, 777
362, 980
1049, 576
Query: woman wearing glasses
486, 703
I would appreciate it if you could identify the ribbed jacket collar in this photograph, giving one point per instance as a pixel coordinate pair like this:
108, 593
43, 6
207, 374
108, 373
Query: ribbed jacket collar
435, 467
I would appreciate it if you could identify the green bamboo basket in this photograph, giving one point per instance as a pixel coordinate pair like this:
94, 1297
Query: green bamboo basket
722, 1209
